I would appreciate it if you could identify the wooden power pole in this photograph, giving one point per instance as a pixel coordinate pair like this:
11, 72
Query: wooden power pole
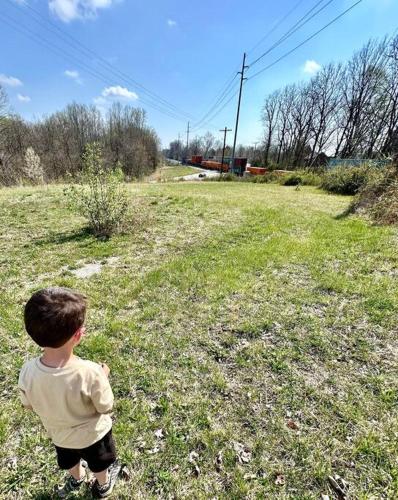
225, 130
242, 79
188, 138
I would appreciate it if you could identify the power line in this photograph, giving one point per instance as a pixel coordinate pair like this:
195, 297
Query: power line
58, 51
218, 99
221, 109
299, 24
216, 109
73, 43
306, 40
281, 21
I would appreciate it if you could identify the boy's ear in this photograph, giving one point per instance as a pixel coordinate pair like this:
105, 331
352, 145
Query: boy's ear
79, 333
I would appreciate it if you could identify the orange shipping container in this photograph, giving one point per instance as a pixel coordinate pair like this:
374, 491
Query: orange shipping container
257, 170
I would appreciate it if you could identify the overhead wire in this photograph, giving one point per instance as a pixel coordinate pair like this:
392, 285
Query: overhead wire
224, 97
219, 111
217, 103
55, 49
275, 27
297, 26
77, 45
306, 40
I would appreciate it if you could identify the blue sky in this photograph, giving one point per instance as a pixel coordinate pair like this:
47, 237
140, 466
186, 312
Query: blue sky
184, 52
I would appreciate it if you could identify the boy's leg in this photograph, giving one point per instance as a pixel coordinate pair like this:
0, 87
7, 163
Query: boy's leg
101, 459
103, 490
77, 472
69, 460
102, 477
100, 456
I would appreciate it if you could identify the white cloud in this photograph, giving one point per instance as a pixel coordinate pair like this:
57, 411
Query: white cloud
118, 91
23, 98
311, 67
10, 81
171, 23
68, 10
73, 75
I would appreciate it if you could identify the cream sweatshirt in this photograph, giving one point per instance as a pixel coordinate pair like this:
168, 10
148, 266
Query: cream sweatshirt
73, 402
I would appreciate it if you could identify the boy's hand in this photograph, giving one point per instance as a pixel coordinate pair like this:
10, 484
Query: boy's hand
106, 369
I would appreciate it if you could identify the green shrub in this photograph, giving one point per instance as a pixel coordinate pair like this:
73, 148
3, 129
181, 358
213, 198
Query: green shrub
228, 177
291, 180
301, 178
99, 196
264, 179
348, 180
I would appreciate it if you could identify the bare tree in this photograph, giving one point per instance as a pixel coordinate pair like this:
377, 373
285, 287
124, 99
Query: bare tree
352, 109
270, 116
208, 141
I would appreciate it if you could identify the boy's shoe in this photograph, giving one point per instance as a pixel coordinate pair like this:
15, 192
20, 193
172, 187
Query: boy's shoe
103, 491
71, 485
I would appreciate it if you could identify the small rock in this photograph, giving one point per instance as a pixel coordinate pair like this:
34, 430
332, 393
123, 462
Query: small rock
154, 450
193, 456
249, 477
159, 434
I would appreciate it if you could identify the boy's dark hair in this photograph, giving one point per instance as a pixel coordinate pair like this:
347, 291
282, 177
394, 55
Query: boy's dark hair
53, 315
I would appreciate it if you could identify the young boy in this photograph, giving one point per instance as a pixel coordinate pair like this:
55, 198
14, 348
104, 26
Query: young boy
71, 396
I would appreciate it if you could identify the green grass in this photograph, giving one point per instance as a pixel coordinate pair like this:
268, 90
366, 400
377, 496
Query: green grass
232, 310
169, 173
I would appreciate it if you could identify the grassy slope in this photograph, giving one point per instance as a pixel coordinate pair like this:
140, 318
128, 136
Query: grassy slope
233, 308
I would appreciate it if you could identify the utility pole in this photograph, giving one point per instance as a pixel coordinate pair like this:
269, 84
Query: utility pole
188, 138
225, 130
179, 147
242, 79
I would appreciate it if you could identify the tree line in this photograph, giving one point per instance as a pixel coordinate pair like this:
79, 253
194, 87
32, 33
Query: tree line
56, 143
346, 110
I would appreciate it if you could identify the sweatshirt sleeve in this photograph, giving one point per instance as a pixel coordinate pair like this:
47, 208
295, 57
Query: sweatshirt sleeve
101, 393
22, 392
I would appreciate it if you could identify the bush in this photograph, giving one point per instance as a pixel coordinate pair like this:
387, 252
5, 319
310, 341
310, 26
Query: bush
291, 180
349, 180
379, 197
100, 195
301, 178
228, 177
264, 179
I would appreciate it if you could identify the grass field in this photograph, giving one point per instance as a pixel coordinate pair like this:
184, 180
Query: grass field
251, 331
169, 173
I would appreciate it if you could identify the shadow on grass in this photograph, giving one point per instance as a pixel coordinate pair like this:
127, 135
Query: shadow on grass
81, 235
350, 210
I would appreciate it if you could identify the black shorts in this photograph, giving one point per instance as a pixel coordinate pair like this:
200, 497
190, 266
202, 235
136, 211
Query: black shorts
99, 456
